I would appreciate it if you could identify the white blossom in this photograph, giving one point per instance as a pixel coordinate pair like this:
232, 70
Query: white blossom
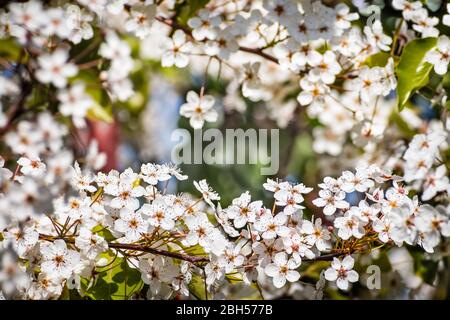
199, 109
55, 69
342, 273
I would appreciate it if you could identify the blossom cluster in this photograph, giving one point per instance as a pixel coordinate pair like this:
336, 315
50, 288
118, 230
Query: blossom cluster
57, 241
310, 45
64, 221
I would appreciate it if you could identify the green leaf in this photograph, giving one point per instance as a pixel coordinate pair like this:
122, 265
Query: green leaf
234, 278
9, 49
65, 295
412, 71
196, 250
117, 281
323, 48
425, 268
379, 59
197, 287
97, 112
103, 232
188, 9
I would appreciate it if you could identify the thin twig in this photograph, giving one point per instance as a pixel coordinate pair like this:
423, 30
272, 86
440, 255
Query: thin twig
257, 51
260, 53
142, 248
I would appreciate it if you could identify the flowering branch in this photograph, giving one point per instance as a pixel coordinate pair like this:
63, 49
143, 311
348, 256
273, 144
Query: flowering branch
175, 255
257, 51
141, 248
182, 256
260, 53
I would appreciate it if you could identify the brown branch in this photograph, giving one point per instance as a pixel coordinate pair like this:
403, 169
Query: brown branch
175, 25
260, 53
180, 256
256, 51
326, 257
90, 64
86, 51
138, 247
330, 256
175, 255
